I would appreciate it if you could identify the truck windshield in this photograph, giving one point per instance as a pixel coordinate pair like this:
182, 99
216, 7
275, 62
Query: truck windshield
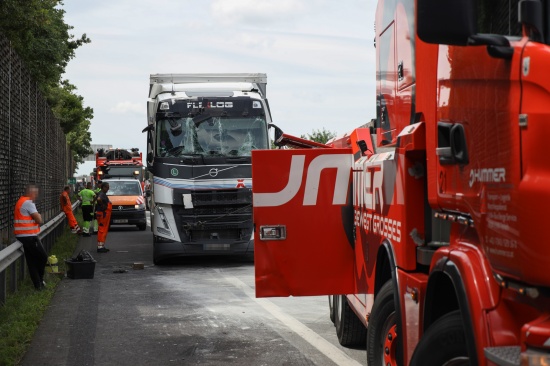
211, 136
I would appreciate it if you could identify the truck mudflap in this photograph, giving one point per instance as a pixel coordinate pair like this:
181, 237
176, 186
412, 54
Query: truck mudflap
303, 222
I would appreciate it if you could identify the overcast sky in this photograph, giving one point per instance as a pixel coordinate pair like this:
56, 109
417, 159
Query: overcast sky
318, 55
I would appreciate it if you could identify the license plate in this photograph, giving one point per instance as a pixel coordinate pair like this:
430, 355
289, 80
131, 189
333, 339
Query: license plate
121, 221
216, 246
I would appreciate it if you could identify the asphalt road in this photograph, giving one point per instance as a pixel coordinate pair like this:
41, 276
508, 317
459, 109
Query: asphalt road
197, 311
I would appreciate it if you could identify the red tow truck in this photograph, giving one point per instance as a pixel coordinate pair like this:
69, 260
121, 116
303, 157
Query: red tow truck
428, 227
119, 163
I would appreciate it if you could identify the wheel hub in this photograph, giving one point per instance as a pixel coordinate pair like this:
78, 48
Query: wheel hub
390, 346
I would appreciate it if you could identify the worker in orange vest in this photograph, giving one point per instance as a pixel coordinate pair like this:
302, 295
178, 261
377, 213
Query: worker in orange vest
66, 206
26, 225
103, 215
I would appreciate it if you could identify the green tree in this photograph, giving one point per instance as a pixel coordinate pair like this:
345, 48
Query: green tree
38, 33
321, 136
74, 118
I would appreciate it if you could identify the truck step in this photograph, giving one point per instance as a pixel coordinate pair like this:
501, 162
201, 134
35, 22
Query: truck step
504, 356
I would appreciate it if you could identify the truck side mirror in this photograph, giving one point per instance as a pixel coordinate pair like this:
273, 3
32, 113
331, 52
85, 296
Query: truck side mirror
278, 131
446, 22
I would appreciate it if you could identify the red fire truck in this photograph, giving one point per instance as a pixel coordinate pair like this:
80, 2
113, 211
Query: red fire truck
428, 226
119, 163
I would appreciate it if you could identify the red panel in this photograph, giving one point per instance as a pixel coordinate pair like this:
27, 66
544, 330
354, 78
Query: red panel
308, 192
412, 287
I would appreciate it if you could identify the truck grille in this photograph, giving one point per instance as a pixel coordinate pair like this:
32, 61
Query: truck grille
214, 198
222, 210
227, 234
223, 215
123, 207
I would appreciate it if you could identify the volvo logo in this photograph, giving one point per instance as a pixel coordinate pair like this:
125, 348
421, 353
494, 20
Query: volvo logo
120, 208
214, 172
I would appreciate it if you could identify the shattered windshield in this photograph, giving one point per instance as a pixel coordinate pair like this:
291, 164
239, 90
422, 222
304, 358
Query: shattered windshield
215, 136
210, 127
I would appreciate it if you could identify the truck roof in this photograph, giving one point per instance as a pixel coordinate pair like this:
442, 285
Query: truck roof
164, 83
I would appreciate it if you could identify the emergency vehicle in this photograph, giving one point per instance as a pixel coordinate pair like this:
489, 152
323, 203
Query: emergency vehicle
119, 163
128, 202
429, 228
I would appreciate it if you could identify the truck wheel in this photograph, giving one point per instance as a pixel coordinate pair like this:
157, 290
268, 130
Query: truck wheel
142, 227
383, 342
444, 343
331, 307
349, 329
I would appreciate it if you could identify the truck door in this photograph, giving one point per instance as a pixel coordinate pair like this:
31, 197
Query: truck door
478, 145
303, 222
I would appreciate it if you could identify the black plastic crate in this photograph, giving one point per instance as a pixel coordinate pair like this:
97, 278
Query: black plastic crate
80, 270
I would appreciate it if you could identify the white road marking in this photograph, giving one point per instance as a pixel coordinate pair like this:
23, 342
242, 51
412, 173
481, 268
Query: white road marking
321, 344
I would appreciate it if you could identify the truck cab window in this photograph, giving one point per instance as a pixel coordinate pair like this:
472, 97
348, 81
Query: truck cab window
499, 17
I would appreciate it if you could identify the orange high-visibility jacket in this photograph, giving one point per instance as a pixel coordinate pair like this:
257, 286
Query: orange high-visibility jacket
65, 201
24, 225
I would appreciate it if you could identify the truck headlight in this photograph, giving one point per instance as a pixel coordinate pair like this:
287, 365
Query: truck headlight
140, 206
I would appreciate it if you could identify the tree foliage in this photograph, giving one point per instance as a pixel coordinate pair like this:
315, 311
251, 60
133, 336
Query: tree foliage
73, 117
38, 33
321, 136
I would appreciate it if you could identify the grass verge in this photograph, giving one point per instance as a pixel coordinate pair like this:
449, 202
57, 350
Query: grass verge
23, 311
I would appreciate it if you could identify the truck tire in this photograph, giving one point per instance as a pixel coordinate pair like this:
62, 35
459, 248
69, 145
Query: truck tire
444, 343
382, 341
142, 227
331, 307
349, 329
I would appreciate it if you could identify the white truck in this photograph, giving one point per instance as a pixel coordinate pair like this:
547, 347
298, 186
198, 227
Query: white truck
201, 129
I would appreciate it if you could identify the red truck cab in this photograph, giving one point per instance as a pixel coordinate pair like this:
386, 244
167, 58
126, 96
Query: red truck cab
429, 230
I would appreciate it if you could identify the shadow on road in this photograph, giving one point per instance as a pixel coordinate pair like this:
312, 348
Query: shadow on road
226, 261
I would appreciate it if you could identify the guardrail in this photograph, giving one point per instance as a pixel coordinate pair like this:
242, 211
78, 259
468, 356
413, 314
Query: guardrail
9, 256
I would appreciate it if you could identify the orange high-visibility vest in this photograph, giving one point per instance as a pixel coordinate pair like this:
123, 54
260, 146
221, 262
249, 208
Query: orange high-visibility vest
24, 225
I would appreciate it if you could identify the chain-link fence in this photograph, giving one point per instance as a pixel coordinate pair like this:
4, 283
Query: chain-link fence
33, 148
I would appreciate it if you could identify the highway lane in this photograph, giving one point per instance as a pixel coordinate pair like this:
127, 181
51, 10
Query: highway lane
193, 311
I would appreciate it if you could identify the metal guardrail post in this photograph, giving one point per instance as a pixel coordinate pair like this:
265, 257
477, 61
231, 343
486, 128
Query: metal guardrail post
22, 271
2, 288
13, 277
